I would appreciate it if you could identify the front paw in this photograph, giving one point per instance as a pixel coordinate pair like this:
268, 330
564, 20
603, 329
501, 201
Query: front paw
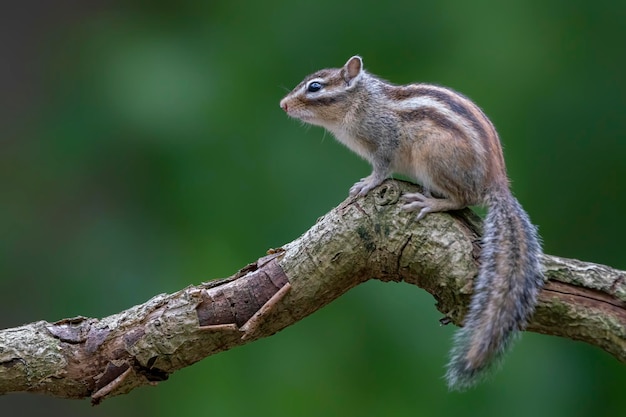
364, 186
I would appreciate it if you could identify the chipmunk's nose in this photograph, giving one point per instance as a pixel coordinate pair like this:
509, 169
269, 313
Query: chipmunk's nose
283, 105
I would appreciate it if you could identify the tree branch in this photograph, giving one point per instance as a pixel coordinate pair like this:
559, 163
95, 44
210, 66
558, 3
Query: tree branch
359, 240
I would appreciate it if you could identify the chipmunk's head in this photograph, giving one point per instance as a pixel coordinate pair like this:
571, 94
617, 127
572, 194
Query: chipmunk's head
323, 97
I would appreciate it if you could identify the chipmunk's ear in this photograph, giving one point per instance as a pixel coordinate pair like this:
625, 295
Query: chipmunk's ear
352, 70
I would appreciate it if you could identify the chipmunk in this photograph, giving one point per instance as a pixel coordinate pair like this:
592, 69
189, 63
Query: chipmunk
442, 140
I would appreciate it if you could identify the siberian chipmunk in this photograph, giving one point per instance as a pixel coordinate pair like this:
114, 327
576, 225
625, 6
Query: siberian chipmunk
446, 143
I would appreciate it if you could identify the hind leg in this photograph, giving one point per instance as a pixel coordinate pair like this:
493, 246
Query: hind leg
425, 203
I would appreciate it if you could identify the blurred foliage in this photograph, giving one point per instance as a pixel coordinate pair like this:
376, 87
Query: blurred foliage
143, 149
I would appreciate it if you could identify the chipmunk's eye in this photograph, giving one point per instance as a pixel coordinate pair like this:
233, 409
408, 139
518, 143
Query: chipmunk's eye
314, 86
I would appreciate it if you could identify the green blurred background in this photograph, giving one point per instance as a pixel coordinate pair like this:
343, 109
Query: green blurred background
142, 149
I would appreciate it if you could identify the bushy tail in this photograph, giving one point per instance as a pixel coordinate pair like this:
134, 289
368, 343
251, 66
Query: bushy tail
505, 292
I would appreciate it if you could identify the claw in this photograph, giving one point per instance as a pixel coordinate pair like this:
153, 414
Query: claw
416, 205
423, 212
364, 186
413, 197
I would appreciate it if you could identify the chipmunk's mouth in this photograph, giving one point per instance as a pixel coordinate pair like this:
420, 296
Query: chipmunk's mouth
303, 117
297, 112
300, 115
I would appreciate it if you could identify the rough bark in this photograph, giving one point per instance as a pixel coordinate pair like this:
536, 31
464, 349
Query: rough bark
369, 238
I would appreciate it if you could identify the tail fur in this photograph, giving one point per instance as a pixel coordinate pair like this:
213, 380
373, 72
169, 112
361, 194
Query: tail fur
505, 292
